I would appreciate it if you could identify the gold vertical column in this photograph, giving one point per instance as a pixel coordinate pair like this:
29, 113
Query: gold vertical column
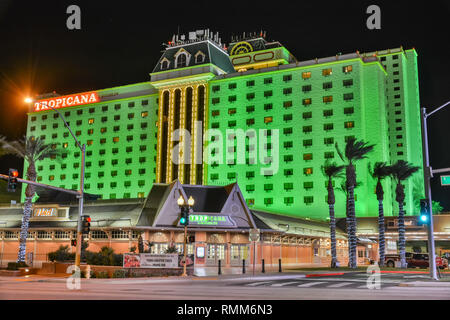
169, 138
194, 134
182, 137
160, 130
205, 118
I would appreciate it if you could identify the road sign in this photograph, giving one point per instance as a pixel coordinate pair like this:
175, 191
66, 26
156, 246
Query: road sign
445, 180
254, 234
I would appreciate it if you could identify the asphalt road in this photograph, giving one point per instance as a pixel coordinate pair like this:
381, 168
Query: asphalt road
272, 287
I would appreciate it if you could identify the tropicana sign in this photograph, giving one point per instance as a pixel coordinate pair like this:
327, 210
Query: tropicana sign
66, 101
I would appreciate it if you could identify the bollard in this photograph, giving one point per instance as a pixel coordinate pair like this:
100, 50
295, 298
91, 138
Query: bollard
243, 265
220, 269
279, 265
263, 270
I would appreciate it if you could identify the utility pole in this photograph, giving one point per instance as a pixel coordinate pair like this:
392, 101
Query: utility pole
428, 174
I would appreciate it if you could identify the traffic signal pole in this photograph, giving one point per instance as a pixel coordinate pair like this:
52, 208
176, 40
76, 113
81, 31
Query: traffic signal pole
80, 210
428, 174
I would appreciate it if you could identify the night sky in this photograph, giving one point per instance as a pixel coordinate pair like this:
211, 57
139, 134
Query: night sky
120, 42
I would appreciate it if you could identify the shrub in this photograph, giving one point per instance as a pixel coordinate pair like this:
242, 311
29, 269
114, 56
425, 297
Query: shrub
119, 274
92, 274
61, 255
102, 274
172, 249
106, 257
16, 265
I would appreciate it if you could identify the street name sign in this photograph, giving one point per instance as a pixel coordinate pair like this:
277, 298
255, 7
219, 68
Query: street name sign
445, 180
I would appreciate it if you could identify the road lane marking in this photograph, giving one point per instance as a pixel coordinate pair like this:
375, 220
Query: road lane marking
284, 284
258, 283
338, 285
304, 285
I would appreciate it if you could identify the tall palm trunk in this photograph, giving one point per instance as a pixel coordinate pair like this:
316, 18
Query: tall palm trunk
400, 198
381, 239
333, 236
352, 228
29, 193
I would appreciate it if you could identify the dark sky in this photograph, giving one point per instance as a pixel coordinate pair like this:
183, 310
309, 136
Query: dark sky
120, 42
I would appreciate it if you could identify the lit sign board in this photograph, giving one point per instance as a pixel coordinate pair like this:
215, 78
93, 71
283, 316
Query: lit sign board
45, 212
66, 101
211, 220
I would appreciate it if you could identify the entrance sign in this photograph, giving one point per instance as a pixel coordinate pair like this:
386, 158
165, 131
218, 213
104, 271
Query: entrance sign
45, 212
254, 234
445, 180
210, 220
149, 260
66, 101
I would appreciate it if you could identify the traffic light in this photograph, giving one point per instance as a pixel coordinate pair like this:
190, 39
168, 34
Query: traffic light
12, 180
73, 242
191, 239
86, 225
424, 216
184, 219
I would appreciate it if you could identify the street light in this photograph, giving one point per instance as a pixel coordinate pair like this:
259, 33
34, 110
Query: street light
428, 174
81, 191
184, 213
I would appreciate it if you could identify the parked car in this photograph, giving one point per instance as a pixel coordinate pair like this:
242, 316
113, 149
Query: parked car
415, 260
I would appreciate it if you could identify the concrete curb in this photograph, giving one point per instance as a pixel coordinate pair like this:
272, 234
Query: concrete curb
428, 284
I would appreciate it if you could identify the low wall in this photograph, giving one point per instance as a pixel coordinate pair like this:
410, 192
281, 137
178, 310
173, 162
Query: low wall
157, 272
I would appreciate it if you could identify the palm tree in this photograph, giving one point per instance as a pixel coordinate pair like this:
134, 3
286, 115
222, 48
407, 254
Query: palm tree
331, 170
400, 171
354, 151
30, 149
380, 171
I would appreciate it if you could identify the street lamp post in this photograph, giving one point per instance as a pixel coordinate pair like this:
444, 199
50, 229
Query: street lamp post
185, 208
81, 191
428, 174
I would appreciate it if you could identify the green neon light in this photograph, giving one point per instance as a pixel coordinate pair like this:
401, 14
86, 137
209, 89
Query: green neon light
206, 219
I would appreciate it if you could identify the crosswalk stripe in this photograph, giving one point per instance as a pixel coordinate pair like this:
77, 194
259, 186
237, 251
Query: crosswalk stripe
284, 284
258, 283
362, 287
310, 284
338, 285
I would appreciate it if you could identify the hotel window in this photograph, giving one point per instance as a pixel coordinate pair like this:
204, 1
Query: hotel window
215, 89
32, 128
233, 98
128, 160
141, 159
328, 126
287, 104
113, 173
288, 186
287, 144
65, 145
128, 172
268, 187
117, 117
348, 96
327, 85
215, 113
396, 73
142, 148
398, 104
327, 99
79, 112
307, 156
287, 131
129, 127
268, 201
250, 96
214, 176
102, 152
307, 101
400, 153
307, 171
308, 200
288, 200
266, 94
250, 174
141, 171
67, 113
51, 178
232, 111
144, 102
232, 123
287, 117
130, 105
327, 113
55, 126
347, 83
349, 124
306, 75
144, 125
268, 119
267, 80
349, 110
347, 69
327, 72
105, 108
307, 143
103, 130
127, 184
395, 65
250, 122
287, 91
144, 114
307, 129
215, 100
129, 149
116, 128
287, 77
231, 175
79, 122
232, 86
215, 125
115, 150
250, 108
143, 136
116, 139
268, 106
33, 118
288, 158
399, 136
141, 183
398, 120
307, 115
308, 185
329, 155
66, 134
306, 88
399, 144
250, 83
89, 142
90, 131
104, 119
346, 138
91, 110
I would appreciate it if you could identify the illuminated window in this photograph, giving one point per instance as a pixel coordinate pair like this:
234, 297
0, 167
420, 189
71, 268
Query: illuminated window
306, 75
141, 194
328, 99
307, 156
51, 178
65, 145
91, 121
103, 130
347, 69
287, 104
349, 124
307, 171
89, 142
128, 172
90, 131
307, 101
215, 113
116, 139
268, 119
144, 114
327, 72
232, 111
181, 60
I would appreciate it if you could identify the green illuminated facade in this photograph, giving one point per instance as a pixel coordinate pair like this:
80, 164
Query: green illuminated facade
200, 85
